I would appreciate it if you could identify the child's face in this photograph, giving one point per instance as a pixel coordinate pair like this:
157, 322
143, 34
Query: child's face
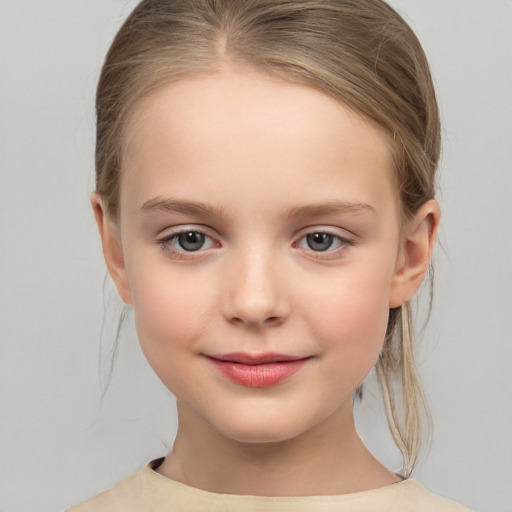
249, 167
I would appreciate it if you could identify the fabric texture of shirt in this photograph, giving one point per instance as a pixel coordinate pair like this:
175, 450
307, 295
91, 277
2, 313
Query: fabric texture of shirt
148, 491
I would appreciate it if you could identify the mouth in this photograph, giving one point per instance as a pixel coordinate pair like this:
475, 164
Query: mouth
258, 370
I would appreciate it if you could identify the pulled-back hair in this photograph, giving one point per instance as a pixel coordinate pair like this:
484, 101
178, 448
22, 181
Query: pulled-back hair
359, 52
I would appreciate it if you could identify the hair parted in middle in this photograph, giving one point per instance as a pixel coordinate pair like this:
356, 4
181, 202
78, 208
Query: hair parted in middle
359, 52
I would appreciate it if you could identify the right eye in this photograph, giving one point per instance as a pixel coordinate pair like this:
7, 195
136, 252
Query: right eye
186, 241
189, 241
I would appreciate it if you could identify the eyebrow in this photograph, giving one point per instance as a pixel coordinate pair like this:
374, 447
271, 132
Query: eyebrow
329, 208
161, 204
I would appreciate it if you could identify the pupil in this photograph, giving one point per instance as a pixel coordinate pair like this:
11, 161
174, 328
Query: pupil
191, 241
319, 241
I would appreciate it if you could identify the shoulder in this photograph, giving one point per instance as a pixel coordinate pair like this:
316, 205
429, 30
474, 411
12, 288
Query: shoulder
413, 497
145, 491
125, 496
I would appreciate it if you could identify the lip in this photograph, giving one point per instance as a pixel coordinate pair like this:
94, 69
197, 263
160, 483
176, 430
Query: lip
258, 370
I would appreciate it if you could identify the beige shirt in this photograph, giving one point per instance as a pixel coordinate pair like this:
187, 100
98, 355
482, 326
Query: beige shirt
148, 491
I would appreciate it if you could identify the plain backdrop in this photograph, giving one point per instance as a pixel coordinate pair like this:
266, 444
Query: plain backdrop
59, 442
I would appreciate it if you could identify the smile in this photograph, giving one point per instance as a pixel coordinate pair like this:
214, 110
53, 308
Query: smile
257, 371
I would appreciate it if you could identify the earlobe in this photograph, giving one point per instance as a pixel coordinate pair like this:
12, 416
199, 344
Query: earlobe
417, 245
112, 249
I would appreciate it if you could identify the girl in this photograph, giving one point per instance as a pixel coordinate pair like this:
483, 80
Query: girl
265, 199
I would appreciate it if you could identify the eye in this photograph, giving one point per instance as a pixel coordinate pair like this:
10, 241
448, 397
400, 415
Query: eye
323, 241
186, 241
319, 241
190, 241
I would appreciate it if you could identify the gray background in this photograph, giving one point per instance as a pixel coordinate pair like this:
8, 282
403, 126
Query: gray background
59, 443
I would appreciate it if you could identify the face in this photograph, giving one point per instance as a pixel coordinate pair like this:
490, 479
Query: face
259, 229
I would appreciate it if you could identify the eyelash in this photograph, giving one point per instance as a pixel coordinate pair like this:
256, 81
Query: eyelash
165, 244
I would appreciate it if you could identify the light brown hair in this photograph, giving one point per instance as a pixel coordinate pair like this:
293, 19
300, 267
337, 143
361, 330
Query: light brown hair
360, 52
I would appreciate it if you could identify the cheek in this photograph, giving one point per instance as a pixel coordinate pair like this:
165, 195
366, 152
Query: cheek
350, 318
172, 312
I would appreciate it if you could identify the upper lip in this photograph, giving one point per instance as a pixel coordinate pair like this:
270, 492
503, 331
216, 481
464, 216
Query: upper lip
246, 358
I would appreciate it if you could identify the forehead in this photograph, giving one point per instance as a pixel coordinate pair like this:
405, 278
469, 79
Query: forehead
265, 137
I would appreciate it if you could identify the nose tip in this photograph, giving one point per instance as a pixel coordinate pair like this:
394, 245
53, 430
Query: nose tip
255, 319
255, 296
256, 307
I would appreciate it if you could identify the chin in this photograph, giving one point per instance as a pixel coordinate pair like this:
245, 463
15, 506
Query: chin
259, 436
262, 428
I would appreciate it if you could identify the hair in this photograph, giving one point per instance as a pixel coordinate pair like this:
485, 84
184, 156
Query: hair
359, 52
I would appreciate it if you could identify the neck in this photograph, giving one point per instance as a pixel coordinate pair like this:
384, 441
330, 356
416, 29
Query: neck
328, 459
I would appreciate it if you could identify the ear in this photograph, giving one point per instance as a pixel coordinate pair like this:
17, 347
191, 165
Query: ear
416, 248
112, 249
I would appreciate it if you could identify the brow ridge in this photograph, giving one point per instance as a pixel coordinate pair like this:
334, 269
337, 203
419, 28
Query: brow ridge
163, 204
330, 207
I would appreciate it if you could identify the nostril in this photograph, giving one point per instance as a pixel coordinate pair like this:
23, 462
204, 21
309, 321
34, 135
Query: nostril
272, 320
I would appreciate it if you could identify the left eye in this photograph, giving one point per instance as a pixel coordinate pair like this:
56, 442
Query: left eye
321, 242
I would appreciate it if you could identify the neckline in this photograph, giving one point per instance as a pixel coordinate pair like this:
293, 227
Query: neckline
174, 486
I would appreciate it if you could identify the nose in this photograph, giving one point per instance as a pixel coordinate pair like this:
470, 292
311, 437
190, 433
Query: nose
254, 294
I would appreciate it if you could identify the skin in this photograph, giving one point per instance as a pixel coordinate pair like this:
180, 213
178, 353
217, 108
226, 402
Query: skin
260, 152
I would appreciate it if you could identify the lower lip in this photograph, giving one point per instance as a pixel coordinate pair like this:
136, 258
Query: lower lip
259, 375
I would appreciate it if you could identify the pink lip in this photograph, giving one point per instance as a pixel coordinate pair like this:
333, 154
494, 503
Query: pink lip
257, 371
